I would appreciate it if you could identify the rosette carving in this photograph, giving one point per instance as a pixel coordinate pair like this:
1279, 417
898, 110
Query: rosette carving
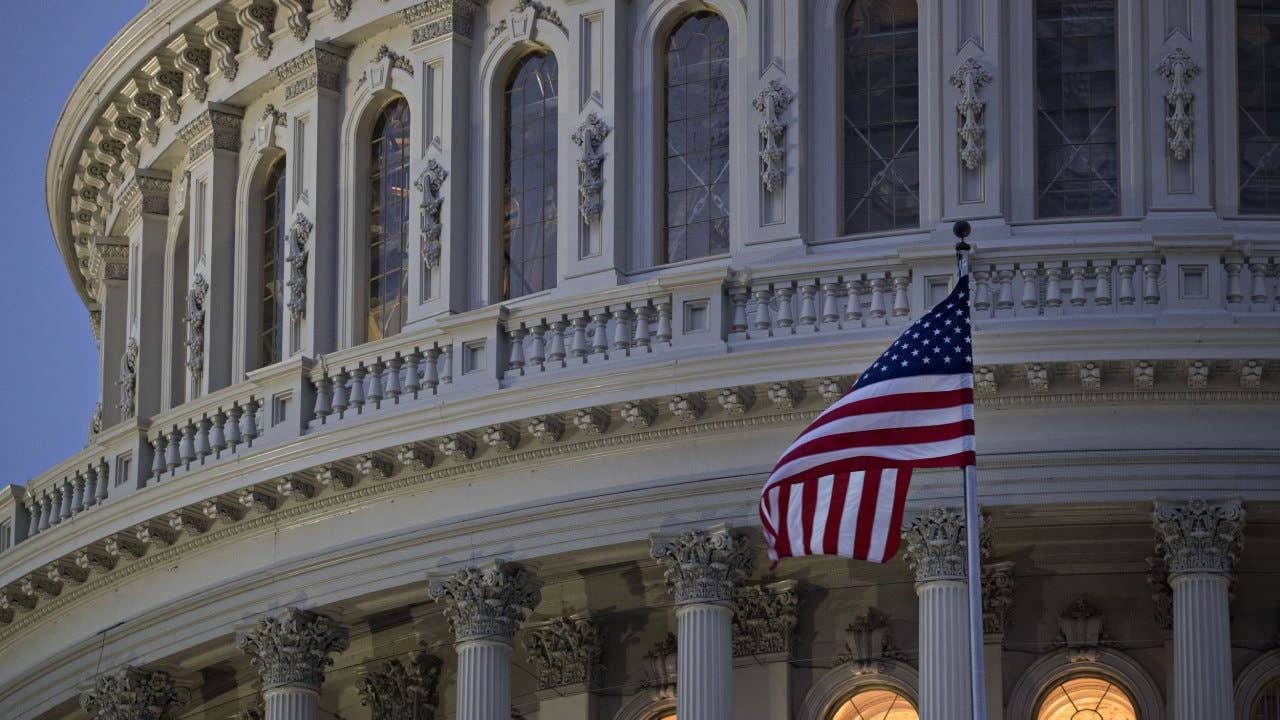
487, 602
292, 648
705, 566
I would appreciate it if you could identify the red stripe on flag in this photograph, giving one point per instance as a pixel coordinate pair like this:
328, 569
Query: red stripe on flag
835, 512
877, 438
899, 502
863, 462
895, 403
867, 513
783, 537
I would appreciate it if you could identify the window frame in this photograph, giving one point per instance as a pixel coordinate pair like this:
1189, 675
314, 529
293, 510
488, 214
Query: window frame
365, 278
278, 164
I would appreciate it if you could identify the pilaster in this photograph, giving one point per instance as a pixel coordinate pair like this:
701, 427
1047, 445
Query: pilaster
565, 654
144, 210
396, 690
764, 623
213, 147
971, 90
109, 283
133, 693
997, 602
291, 650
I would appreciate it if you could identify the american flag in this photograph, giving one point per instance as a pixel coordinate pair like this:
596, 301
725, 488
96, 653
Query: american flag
841, 486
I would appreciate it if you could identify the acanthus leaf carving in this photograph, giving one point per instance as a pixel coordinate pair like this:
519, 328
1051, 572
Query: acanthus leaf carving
293, 647
1199, 536
340, 8
704, 566
429, 183
1178, 69
969, 79
259, 21
132, 693
487, 602
403, 691
299, 251
997, 595
764, 618
771, 103
565, 651
936, 544
299, 23
590, 136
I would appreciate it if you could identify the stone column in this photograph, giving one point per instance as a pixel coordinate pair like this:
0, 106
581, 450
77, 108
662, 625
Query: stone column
565, 654
291, 650
144, 205
1200, 542
132, 693
936, 548
703, 571
485, 606
997, 602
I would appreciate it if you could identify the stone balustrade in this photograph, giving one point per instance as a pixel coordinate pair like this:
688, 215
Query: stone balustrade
361, 381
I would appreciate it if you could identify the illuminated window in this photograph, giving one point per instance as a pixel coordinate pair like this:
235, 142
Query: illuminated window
1086, 698
881, 116
529, 226
388, 220
1258, 73
1077, 169
271, 294
1267, 705
879, 704
697, 138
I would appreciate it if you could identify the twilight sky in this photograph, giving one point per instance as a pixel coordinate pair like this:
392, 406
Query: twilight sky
48, 358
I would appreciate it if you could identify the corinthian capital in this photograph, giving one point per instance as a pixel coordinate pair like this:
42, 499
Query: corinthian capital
936, 544
403, 691
1199, 536
705, 566
565, 651
132, 693
292, 648
487, 602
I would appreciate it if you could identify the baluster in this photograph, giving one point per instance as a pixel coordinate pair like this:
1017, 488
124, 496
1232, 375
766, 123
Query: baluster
158, 455
77, 505
1235, 293
375, 393
171, 455
446, 367
1053, 288
392, 386
47, 518
1004, 294
808, 304
1124, 293
413, 373
1030, 288
202, 438
664, 321
218, 435
579, 345
1102, 291
738, 299
557, 352
55, 509
324, 398
234, 416
1078, 297
67, 492
538, 346
763, 322
91, 484
187, 449
878, 287
830, 302
786, 317
600, 337
432, 377
901, 304
853, 303
356, 401
104, 476
249, 421
1258, 281
640, 337
515, 362
1151, 285
341, 393
33, 516
621, 330
981, 290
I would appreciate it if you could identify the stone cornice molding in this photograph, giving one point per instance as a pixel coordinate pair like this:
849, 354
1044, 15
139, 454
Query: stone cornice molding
487, 602
321, 67
1199, 536
132, 693
109, 260
437, 19
565, 651
935, 544
397, 690
216, 128
764, 619
146, 192
705, 566
293, 648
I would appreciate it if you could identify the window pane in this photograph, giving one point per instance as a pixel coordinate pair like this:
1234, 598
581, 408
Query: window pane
528, 230
876, 705
881, 116
388, 221
271, 297
1258, 73
1076, 167
697, 138
1086, 697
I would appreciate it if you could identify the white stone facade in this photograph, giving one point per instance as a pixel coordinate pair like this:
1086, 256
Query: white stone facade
544, 505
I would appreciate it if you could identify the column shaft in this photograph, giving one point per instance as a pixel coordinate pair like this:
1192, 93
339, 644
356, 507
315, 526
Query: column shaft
1201, 646
944, 650
704, 689
484, 680
291, 703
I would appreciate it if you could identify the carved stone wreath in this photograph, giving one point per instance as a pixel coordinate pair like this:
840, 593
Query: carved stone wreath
429, 184
299, 238
772, 101
590, 136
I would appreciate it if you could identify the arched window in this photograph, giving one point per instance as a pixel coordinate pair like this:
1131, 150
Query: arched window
881, 116
1267, 704
1086, 698
1077, 168
877, 704
529, 184
388, 221
697, 138
271, 297
1257, 65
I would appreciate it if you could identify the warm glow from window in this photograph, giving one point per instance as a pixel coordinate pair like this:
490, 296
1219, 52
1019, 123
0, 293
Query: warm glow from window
877, 705
1086, 698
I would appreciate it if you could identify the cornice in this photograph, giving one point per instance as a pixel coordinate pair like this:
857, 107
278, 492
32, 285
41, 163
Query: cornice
215, 128
321, 67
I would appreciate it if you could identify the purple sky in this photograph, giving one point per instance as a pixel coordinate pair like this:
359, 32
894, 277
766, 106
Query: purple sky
48, 359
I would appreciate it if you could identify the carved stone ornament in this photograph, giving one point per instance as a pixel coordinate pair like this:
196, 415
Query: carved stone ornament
997, 595
565, 651
340, 8
132, 693
1177, 68
292, 648
487, 602
771, 103
969, 79
211, 130
935, 544
590, 137
1080, 626
272, 119
196, 297
322, 67
128, 381
524, 16
434, 19
660, 667
705, 566
429, 184
869, 644
764, 618
299, 251
403, 691
299, 23
1161, 592
1199, 537
378, 73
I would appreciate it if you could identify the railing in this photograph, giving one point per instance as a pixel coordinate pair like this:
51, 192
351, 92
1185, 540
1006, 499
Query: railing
79, 484
358, 382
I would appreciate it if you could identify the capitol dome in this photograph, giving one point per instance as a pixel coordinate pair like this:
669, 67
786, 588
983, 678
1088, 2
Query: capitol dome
445, 348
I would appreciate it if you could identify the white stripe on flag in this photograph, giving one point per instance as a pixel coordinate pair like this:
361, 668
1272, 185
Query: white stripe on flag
884, 514
773, 509
849, 514
795, 519
821, 511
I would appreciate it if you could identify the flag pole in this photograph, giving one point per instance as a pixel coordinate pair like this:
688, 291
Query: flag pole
977, 669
